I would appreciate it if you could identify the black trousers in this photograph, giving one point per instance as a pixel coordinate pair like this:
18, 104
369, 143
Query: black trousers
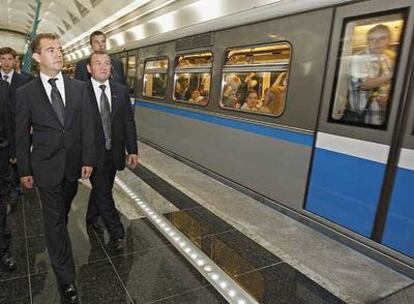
56, 202
101, 202
4, 189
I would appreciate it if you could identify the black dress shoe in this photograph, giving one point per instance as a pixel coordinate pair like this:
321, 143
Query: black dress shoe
69, 294
117, 245
7, 261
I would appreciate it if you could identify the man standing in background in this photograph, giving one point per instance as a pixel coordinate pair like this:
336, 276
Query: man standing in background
97, 41
6, 259
15, 80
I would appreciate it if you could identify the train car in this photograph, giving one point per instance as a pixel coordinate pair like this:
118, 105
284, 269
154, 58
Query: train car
311, 112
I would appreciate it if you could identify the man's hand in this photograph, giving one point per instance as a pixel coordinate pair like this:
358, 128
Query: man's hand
86, 172
13, 160
26, 182
132, 160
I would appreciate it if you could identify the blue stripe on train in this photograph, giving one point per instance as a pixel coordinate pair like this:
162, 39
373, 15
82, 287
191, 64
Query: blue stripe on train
345, 189
277, 133
399, 228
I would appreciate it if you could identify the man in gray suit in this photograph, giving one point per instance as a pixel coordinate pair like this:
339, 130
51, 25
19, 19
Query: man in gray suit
97, 41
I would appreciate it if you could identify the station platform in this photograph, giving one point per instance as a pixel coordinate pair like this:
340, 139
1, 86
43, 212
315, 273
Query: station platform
266, 254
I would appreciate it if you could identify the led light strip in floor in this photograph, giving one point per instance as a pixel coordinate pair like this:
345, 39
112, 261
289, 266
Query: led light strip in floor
222, 282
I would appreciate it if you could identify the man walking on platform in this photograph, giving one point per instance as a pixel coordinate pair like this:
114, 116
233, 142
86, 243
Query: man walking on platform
14, 80
115, 133
6, 259
59, 112
97, 41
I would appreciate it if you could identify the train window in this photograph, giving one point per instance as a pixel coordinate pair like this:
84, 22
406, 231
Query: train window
155, 78
366, 69
255, 79
132, 74
192, 78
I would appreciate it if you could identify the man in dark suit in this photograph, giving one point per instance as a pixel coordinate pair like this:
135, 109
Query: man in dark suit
115, 133
97, 41
6, 259
15, 80
58, 110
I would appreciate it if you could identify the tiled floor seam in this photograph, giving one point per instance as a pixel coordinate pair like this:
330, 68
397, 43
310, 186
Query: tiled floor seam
114, 268
140, 251
393, 294
178, 294
27, 250
259, 269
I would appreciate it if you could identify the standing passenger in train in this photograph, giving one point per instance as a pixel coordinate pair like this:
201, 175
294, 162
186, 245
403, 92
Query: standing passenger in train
115, 134
15, 80
97, 41
58, 110
370, 81
6, 259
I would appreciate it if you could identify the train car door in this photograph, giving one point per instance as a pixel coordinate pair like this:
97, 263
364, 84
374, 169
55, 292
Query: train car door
364, 95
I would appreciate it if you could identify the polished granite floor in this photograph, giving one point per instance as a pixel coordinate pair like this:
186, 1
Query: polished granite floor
149, 270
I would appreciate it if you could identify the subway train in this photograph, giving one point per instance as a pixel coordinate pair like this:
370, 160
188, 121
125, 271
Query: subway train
311, 112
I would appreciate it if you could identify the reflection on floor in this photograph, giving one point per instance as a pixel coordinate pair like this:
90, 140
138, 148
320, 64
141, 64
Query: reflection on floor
149, 270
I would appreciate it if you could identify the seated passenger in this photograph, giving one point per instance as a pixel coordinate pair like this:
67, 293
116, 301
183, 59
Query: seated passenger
251, 101
196, 97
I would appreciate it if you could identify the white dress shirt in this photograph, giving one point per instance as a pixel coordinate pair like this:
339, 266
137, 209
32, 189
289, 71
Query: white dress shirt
48, 87
9, 76
98, 91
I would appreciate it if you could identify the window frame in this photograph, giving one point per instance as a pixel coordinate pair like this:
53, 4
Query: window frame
193, 70
143, 77
258, 68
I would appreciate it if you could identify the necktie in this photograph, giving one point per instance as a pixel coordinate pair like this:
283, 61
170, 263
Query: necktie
6, 77
106, 117
57, 101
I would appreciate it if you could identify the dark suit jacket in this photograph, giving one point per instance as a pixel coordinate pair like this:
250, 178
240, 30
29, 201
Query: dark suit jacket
118, 75
58, 150
5, 127
123, 129
17, 81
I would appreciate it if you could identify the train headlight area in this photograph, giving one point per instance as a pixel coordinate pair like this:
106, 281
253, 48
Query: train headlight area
276, 146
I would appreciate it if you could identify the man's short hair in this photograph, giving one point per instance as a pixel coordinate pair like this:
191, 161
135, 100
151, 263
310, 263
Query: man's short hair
35, 43
96, 53
380, 28
96, 33
8, 50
